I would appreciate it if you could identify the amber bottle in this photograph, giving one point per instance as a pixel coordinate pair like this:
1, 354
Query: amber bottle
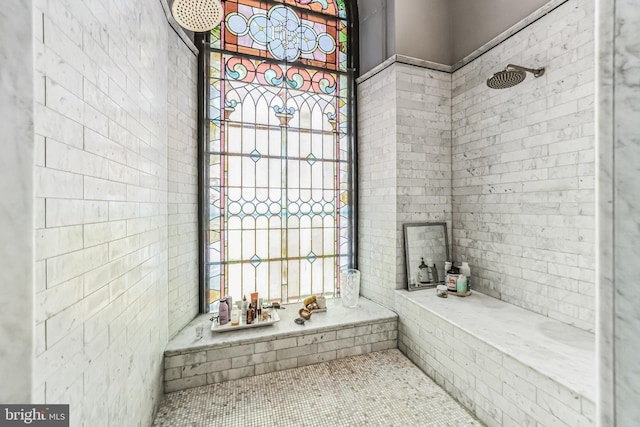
250, 315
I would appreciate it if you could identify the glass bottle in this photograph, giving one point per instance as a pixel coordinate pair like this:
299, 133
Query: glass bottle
235, 316
423, 272
249, 315
434, 273
229, 305
244, 309
223, 312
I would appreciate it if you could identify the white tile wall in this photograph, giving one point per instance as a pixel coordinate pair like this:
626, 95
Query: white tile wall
523, 169
183, 185
404, 149
376, 186
115, 91
423, 143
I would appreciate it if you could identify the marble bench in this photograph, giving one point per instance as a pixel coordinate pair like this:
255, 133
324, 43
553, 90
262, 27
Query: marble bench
339, 332
507, 365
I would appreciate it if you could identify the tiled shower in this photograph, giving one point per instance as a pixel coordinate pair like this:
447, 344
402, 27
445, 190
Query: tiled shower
511, 171
537, 184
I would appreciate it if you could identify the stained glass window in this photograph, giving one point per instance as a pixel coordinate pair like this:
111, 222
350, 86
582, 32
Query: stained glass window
279, 150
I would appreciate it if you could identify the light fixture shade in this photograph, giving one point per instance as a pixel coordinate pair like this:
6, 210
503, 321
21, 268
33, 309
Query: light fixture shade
197, 15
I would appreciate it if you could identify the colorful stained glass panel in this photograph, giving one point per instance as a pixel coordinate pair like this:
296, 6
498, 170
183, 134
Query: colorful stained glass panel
283, 32
278, 111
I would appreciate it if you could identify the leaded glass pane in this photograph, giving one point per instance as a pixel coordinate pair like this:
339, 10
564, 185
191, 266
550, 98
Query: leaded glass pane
290, 31
279, 149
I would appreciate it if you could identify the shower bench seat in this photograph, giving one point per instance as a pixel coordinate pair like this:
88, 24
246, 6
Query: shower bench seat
339, 332
507, 365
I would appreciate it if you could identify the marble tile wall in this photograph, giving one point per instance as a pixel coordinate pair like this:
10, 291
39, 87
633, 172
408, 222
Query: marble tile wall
183, 185
376, 186
618, 98
404, 143
626, 219
106, 117
423, 144
16, 201
523, 164
605, 295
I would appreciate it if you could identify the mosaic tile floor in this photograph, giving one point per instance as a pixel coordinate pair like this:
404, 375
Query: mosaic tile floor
376, 389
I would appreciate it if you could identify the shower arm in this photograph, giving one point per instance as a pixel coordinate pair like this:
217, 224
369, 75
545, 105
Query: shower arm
536, 72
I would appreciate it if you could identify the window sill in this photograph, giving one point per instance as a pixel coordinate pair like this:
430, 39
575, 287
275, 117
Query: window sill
338, 332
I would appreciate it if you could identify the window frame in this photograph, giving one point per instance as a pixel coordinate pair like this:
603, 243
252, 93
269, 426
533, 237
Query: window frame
202, 42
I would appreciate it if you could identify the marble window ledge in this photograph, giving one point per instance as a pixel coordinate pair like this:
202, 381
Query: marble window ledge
336, 317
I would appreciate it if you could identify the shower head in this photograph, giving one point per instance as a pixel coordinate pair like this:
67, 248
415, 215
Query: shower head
511, 76
197, 15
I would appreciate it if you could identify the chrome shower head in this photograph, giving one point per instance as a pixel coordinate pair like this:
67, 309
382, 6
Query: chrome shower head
506, 78
511, 76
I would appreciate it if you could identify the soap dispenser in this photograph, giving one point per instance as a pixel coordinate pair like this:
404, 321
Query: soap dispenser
423, 272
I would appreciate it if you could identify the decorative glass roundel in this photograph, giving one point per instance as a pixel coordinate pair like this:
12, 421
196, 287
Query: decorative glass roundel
281, 31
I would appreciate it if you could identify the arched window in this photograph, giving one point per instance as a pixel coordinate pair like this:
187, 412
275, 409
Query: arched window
279, 157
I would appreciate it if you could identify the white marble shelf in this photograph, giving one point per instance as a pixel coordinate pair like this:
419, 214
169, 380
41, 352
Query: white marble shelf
335, 317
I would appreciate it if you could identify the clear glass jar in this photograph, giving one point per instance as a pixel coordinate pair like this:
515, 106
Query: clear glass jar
350, 287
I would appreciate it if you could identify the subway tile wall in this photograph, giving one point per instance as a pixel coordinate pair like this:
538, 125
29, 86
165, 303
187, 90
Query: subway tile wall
183, 185
423, 143
404, 149
523, 169
377, 186
113, 99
